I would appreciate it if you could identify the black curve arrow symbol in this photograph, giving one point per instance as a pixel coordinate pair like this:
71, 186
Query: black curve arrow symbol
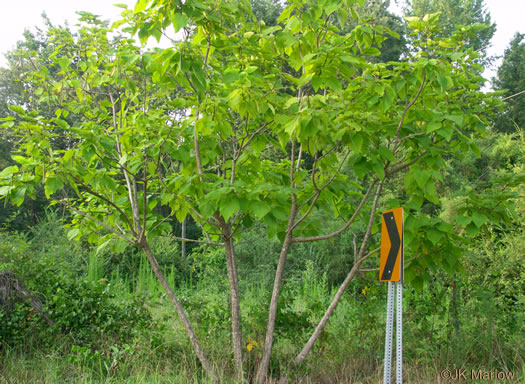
395, 243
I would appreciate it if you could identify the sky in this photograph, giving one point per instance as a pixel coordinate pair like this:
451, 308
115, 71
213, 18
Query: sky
18, 15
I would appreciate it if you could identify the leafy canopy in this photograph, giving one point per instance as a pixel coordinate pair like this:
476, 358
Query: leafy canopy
216, 128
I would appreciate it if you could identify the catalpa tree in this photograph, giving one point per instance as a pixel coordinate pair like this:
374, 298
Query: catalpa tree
240, 124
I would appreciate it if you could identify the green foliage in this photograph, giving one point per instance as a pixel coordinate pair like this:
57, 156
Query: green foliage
95, 267
489, 306
303, 303
496, 269
392, 27
82, 310
239, 117
16, 90
511, 79
497, 174
455, 15
208, 262
85, 311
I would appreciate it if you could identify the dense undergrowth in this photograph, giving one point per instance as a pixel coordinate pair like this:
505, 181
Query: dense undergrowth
115, 326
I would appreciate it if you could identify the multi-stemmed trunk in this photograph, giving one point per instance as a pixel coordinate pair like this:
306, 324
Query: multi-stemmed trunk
288, 241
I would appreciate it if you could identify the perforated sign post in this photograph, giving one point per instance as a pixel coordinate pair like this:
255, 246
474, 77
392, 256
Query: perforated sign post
391, 270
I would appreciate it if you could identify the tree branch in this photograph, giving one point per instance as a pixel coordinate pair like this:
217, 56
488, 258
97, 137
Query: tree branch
255, 133
135, 205
196, 144
410, 136
403, 166
317, 332
292, 165
69, 206
377, 269
344, 227
371, 220
299, 157
318, 192
511, 96
98, 195
331, 308
198, 241
144, 206
407, 107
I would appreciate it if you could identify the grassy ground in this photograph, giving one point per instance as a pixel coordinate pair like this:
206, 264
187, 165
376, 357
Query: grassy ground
478, 331
54, 369
338, 360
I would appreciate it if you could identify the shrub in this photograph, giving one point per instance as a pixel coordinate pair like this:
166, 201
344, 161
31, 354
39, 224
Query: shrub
83, 311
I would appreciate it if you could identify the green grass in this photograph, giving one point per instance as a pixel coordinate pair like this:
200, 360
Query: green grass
350, 350
52, 368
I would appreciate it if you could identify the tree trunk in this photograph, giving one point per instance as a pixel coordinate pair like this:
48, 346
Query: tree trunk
183, 242
180, 311
235, 303
272, 313
455, 312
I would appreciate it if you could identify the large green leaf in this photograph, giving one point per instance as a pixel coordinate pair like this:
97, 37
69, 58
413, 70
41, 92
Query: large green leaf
228, 207
260, 208
53, 184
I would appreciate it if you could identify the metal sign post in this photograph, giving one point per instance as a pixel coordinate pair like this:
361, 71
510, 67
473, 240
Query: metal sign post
399, 333
389, 330
391, 270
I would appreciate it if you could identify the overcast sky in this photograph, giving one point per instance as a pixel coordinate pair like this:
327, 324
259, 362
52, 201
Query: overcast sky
17, 15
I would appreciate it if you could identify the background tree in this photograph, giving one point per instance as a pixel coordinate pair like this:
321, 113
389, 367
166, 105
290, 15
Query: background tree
267, 10
377, 14
456, 13
16, 89
511, 79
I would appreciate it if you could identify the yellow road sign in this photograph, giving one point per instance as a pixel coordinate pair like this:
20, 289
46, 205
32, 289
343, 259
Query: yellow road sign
391, 259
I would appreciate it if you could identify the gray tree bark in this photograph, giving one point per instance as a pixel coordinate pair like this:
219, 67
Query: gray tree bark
183, 242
